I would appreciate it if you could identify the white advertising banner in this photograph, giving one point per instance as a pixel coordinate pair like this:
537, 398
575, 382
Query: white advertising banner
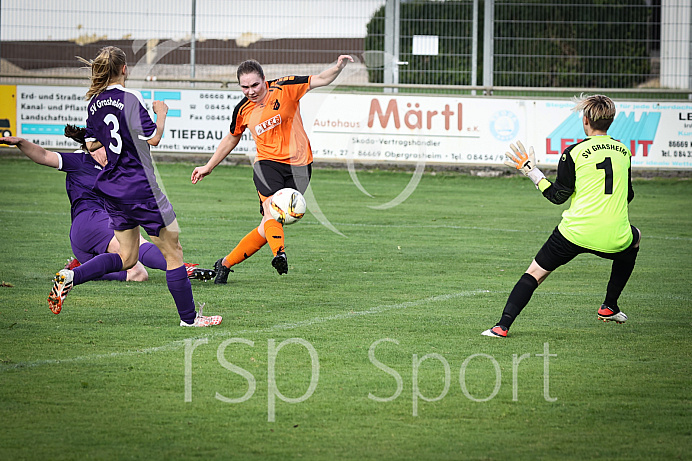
383, 127
659, 135
43, 112
196, 122
413, 128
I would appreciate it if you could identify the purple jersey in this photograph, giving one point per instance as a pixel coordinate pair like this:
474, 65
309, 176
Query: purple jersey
118, 119
81, 171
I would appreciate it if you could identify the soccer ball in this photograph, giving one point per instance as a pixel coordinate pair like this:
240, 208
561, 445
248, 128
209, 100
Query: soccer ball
287, 206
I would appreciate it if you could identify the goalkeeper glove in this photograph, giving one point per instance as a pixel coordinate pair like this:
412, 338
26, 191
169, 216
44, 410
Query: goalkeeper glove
524, 162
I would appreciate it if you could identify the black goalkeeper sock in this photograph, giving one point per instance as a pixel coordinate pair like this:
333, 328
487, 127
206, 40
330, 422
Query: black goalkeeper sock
619, 275
518, 299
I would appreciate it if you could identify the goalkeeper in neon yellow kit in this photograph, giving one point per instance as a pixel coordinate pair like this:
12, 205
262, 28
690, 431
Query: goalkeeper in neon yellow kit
596, 174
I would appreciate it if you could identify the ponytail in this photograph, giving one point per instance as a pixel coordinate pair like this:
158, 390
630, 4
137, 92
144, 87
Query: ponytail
106, 67
77, 134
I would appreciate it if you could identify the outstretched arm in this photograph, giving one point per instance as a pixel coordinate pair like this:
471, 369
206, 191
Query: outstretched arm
524, 162
328, 76
557, 192
224, 148
35, 152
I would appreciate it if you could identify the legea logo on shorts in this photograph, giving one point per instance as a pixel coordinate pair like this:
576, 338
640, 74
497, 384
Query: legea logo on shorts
268, 124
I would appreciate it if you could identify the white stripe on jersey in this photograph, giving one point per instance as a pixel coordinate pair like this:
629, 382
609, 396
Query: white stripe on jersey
138, 95
127, 90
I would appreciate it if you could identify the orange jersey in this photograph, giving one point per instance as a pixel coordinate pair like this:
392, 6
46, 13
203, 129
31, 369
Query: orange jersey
275, 123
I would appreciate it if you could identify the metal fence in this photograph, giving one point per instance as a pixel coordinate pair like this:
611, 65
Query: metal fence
464, 43
590, 44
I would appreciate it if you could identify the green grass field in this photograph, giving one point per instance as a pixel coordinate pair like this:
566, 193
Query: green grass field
392, 310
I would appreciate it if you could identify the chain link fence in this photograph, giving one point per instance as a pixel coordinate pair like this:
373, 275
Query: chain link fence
575, 44
624, 44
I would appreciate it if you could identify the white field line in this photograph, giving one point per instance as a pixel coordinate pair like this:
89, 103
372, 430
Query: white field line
217, 333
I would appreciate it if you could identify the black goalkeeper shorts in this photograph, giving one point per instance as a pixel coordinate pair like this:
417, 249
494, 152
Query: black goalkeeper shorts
558, 251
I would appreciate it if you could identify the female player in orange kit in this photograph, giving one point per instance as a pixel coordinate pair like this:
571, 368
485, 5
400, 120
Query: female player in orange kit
271, 111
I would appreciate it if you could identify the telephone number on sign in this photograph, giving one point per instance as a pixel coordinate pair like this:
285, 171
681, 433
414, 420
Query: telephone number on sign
211, 96
218, 117
682, 153
218, 107
484, 157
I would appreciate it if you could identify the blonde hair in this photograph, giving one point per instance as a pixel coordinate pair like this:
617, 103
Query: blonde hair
598, 109
106, 67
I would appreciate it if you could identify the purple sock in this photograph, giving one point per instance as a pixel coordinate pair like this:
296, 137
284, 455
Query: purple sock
97, 267
181, 289
120, 276
151, 256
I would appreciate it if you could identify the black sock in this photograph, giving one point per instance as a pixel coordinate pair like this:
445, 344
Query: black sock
619, 275
518, 299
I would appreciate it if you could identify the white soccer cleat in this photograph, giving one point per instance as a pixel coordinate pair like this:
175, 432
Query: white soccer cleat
202, 320
62, 284
606, 314
495, 332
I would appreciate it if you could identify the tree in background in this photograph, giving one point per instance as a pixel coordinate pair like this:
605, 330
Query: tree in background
451, 21
586, 43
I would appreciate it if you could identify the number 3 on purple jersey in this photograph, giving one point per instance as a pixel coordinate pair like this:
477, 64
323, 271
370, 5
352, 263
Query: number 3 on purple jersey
111, 119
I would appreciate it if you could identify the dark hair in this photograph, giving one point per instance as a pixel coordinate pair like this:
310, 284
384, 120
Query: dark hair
248, 67
106, 67
77, 134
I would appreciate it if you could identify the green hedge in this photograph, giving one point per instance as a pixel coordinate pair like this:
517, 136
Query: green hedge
588, 43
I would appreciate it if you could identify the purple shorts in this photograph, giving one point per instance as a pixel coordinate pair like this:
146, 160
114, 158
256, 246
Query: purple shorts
151, 215
90, 235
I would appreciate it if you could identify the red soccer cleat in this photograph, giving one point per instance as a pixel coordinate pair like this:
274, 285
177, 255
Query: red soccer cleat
496, 332
195, 273
607, 314
72, 263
